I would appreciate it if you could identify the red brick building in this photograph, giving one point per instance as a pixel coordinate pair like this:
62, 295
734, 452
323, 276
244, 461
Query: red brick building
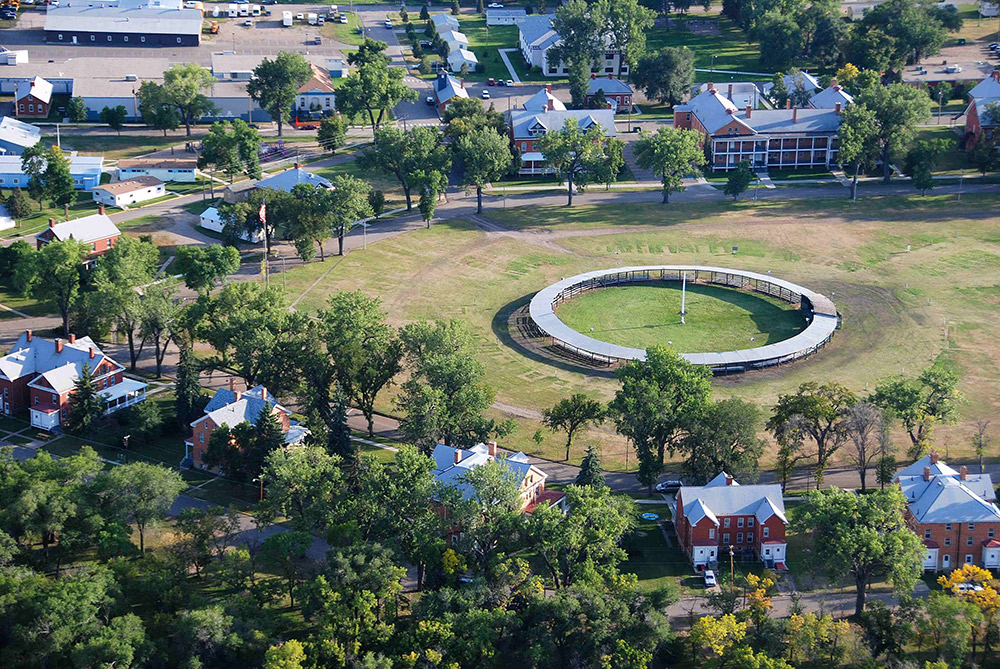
980, 125
39, 375
616, 92
32, 98
97, 230
722, 515
953, 512
232, 407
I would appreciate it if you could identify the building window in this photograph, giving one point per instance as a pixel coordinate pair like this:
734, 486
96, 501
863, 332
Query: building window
968, 541
109, 38
60, 37
178, 40
36, 400
972, 527
948, 526
92, 38
766, 532
31, 107
201, 437
55, 399
990, 533
739, 522
524, 146
22, 106
968, 558
749, 522
927, 534
125, 38
750, 538
725, 538
142, 38
726, 522
739, 537
711, 533
947, 541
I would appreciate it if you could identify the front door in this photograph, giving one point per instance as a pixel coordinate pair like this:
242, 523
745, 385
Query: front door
946, 562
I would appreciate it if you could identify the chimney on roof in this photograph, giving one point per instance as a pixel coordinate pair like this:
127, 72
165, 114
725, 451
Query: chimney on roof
833, 82
492, 446
934, 458
730, 91
92, 353
711, 88
232, 384
788, 104
838, 88
52, 222
59, 345
593, 75
927, 473
298, 165
795, 114
836, 109
749, 110
239, 396
729, 480
548, 88
611, 75
963, 473
996, 75
458, 455
27, 334
100, 209
72, 338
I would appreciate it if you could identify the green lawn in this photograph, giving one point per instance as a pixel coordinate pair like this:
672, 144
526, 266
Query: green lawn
127, 145
954, 159
718, 319
731, 49
393, 191
39, 219
778, 174
486, 44
651, 558
23, 304
345, 33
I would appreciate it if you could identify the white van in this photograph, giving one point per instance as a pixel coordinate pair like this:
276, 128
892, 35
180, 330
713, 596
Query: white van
254, 10
312, 18
286, 19
232, 11
244, 10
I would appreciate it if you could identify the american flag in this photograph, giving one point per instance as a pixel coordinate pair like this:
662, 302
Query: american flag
263, 212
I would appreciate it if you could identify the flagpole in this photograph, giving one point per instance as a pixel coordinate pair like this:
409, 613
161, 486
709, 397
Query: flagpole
262, 215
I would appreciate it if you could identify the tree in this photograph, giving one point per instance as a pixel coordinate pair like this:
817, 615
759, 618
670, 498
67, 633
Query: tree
859, 146
672, 154
445, 399
182, 87
863, 425
572, 414
286, 655
606, 171
141, 493
232, 148
666, 75
302, 484
33, 160
980, 442
373, 87
365, 351
780, 39
76, 110
48, 174
984, 156
376, 200
284, 551
485, 157
310, 220
430, 185
739, 179
15, 260
625, 24
591, 471
724, 439
406, 155
53, 274
862, 537
819, 411
204, 266
658, 401
114, 117
85, 405
188, 398
921, 161
920, 403
465, 116
156, 110
160, 317
947, 625
716, 636
274, 84
424, 14
571, 151
332, 133
581, 28
897, 109
18, 205
349, 204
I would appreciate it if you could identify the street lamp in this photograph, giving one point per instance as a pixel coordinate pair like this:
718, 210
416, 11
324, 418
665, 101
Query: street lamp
260, 480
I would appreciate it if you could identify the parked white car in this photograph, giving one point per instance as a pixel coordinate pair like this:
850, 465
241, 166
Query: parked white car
710, 581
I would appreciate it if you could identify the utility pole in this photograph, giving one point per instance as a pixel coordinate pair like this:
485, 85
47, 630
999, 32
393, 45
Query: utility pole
684, 284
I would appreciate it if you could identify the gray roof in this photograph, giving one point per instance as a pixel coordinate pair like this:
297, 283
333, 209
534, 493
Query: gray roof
86, 229
79, 166
987, 88
822, 327
540, 102
537, 31
608, 85
447, 87
224, 396
37, 87
288, 179
911, 479
440, 20
517, 11
38, 357
225, 63
19, 133
450, 473
948, 500
522, 121
714, 500
712, 109
830, 96
771, 121
149, 20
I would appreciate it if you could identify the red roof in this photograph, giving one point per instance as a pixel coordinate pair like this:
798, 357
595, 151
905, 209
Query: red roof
780, 566
930, 543
773, 541
991, 543
547, 498
45, 407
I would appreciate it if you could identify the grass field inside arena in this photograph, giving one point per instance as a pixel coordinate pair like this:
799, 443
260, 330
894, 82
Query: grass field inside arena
717, 319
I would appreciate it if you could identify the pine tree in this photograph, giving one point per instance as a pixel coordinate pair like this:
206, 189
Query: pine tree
455, 9
591, 470
424, 14
85, 405
189, 400
339, 438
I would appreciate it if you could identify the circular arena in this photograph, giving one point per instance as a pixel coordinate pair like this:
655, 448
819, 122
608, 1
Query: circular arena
819, 310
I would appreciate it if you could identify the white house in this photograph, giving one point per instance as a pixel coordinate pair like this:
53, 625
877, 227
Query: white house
505, 16
130, 191
460, 57
318, 93
455, 40
184, 170
989, 9
536, 37
211, 220
444, 22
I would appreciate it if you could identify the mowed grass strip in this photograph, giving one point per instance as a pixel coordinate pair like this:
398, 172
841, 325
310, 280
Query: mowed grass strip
644, 315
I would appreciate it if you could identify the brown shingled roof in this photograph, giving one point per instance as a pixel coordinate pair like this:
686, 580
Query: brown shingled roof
129, 185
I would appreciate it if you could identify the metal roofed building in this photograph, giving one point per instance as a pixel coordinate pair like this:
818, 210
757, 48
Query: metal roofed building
129, 191
446, 89
830, 97
444, 22
536, 36
86, 171
543, 100
16, 136
33, 98
505, 16
138, 26
289, 179
722, 514
527, 127
181, 169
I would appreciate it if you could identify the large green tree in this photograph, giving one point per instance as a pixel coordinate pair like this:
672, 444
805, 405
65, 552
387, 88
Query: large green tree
724, 438
373, 88
666, 75
183, 87
202, 267
485, 158
897, 109
862, 537
921, 403
581, 28
572, 414
349, 205
366, 352
859, 145
86, 406
156, 110
232, 148
625, 24
659, 400
672, 154
275, 83
53, 273
406, 155
571, 151
141, 493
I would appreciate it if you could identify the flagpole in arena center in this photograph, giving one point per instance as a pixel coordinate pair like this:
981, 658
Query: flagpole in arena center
267, 241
